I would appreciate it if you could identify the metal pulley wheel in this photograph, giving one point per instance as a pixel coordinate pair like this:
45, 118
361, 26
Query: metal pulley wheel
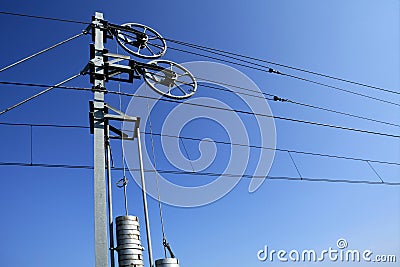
141, 41
170, 79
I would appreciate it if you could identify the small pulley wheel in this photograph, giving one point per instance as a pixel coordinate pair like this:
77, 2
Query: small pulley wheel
141, 41
170, 79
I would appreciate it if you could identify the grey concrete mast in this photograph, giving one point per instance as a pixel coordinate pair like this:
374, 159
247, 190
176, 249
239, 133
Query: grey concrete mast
100, 215
166, 78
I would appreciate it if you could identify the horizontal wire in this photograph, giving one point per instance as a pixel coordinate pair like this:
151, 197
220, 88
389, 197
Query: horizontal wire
225, 53
292, 76
231, 85
281, 100
276, 149
341, 89
275, 98
215, 141
232, 110
261, 115
213, 50
212, 174
341, 113
288, 75
261, 96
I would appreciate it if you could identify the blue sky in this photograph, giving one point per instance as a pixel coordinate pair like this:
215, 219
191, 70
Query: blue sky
48, 212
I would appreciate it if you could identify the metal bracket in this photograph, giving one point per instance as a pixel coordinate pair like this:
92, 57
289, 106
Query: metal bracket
94, 73
116, 64
117, 116
113, 66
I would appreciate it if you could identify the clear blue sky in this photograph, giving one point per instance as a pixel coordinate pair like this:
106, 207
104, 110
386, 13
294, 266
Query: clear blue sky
47, 214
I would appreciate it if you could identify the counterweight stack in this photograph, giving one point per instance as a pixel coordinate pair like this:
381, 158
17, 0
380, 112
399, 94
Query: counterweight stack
129, 247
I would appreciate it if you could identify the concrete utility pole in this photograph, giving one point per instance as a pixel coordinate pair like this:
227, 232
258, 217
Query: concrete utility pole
100, 217
105, 66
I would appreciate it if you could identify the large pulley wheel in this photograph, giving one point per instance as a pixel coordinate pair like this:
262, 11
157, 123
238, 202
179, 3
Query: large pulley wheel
141, 41
170, 79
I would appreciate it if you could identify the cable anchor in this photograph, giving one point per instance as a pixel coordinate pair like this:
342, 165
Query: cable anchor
168, 247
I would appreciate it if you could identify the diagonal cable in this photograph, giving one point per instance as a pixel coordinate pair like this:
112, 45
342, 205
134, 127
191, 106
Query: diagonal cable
187, 154
42, 17
377, 174
42, 51
294, 163
39, 94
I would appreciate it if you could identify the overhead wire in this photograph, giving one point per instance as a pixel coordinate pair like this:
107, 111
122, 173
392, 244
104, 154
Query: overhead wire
200, 47
283, 118
187, 153
341, 113
295, 165
43, 17
31, 143
206, 173
222, 52
225, 109
38, 94
47, 85
215, 141
266, 68
225, 53
262, 95
210, 174
377, 174
278, 149
210, 50
44, 125
275, 98
266, 115
341, 89
43, 51
269, 70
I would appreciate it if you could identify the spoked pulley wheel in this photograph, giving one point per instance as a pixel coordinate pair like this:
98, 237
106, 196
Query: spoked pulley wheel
170, 79
141, 41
